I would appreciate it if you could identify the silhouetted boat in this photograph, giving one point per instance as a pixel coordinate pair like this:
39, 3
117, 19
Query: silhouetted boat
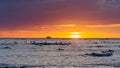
48, 37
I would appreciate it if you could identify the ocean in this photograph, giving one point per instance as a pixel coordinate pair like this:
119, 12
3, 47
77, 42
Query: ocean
59, 53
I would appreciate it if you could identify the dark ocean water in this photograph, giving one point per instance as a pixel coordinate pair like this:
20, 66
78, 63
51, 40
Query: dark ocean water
21, 53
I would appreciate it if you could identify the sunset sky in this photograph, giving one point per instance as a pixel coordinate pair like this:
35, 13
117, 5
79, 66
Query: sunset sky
59, 18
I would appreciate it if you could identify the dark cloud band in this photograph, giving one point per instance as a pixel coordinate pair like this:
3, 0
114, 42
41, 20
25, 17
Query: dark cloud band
21, 13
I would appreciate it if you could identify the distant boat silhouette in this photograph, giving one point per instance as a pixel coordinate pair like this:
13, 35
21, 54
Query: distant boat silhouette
48, 37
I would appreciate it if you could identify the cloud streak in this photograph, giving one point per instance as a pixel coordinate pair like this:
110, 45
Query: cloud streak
105, 26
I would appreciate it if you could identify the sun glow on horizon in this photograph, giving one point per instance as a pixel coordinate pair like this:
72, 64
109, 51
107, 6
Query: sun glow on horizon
75, 35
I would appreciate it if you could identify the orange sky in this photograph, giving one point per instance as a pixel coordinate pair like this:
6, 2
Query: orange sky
64, 31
